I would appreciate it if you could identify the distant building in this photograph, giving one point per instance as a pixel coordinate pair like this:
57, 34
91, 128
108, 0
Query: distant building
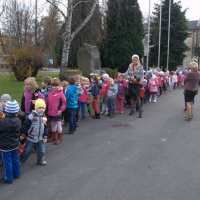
193, 42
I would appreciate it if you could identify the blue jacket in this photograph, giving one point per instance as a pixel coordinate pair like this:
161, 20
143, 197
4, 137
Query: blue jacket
72, 96
95, 90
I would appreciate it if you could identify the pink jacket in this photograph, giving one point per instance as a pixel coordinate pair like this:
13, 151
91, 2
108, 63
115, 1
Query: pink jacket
153, 85
55, 101
104, 89
84, 97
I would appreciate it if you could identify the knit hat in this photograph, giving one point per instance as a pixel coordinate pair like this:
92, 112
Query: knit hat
102, 72
40, 103
12, 107
106, 76
5, 97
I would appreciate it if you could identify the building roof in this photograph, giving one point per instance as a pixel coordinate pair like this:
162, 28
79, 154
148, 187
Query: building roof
192, 24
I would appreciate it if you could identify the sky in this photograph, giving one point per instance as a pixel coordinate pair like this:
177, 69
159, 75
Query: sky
193, 12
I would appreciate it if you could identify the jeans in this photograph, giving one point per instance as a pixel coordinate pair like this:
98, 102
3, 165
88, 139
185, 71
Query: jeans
111, 104
11, 164
72, 119
82, 107
40, 148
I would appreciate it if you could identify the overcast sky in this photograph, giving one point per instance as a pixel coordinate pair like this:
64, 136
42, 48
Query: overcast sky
193, 12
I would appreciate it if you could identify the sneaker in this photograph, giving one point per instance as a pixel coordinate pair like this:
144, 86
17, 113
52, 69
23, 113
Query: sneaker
2, 180
106, 113
102, 112
43, 162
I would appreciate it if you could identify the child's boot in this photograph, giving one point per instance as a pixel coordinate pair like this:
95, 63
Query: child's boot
150, 98
140, 113
154, 100
59, 139
52, 138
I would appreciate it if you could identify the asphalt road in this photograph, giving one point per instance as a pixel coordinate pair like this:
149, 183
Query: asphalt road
153, 158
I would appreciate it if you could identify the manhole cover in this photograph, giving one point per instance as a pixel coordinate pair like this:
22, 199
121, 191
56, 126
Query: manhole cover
120, 125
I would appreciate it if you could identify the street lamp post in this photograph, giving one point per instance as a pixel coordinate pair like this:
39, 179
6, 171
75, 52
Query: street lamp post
149, 21
159, 33
167, 68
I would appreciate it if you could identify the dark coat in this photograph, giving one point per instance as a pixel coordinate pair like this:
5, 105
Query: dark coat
9, 132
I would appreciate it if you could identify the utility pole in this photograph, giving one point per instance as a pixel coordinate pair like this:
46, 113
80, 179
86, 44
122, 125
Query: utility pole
169, 22
159, 33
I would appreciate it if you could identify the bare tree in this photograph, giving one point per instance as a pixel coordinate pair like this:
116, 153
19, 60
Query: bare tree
18, 24
69, 35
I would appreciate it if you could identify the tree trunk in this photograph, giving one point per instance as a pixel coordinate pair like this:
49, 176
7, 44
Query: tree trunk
68, 36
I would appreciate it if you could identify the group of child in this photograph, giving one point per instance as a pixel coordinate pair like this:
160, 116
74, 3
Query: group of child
42, 113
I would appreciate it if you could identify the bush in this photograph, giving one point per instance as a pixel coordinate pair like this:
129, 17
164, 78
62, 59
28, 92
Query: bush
110, 72
25, 61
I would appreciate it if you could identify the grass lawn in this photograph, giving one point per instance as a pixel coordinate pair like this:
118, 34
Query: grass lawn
9, 84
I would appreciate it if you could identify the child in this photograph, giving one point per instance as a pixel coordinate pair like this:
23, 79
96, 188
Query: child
103, 94
46, 85
112, 93
64, 85
83, 98
4, 99
72, 104
88, 88
56, 104
121, 82
180, 79
35, 128
9, 138
80, 93
153, 88
95, 94
46, 88
30, 95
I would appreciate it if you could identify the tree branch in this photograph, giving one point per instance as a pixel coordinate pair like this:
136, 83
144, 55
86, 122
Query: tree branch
56, 8
85, 20
80, 3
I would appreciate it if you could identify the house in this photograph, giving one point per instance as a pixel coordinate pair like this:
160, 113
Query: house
193, 42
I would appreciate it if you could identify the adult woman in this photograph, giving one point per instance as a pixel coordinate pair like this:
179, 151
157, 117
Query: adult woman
134, 74
191, 87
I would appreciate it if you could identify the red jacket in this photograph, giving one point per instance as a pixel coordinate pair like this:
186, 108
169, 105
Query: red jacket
104, 89
84, 97
55, 101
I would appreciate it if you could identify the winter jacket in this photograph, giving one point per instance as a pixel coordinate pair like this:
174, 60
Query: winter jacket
153, 85
104, 89
80, 90
72, 96
35, 127
138, 73
45, 91
112, 91
26, 103
95, 90
55, 102
191, 80
84, 97
9, 132
121, 88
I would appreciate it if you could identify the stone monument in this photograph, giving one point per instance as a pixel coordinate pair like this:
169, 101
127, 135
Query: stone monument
88, 60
